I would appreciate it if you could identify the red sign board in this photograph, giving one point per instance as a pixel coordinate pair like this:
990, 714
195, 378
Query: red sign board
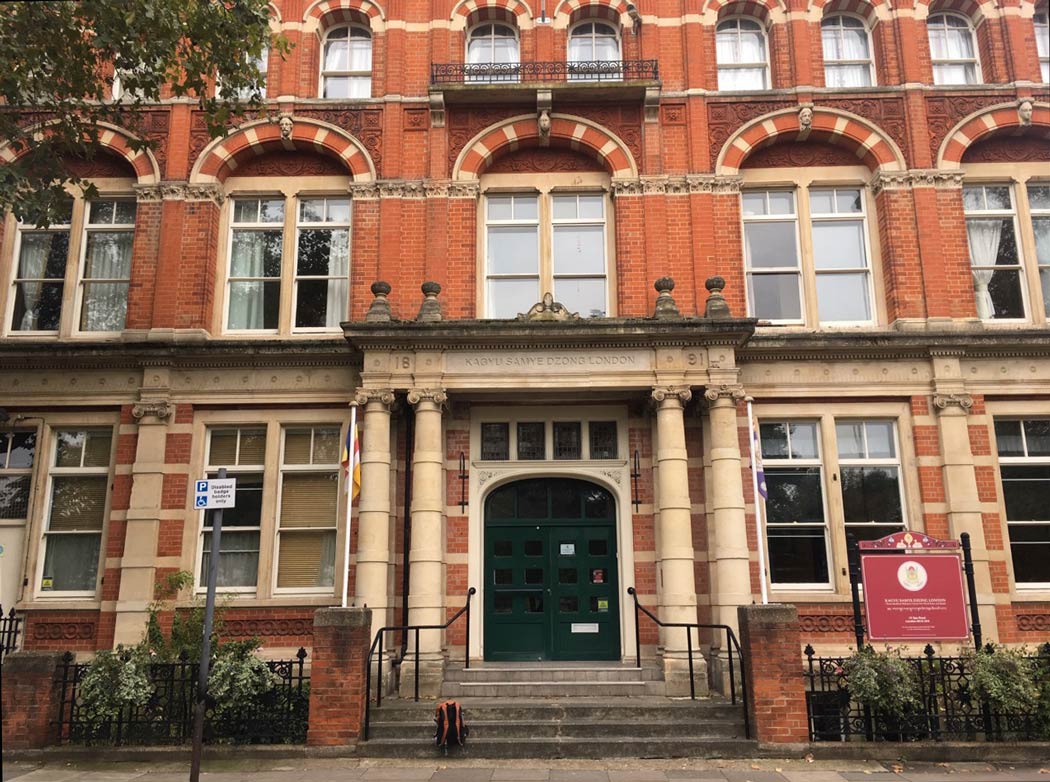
914, 597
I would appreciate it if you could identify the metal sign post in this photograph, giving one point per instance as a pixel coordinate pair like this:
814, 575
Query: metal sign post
209, 494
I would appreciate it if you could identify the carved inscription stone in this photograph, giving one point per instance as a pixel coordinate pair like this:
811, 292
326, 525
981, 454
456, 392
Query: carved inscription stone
548, 362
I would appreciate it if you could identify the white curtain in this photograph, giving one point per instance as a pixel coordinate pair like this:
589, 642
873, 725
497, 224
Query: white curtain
338, 268
247, 299
31, 265
109, 258
984, 238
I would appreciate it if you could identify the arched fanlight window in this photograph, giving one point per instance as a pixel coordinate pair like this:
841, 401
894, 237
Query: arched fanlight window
847, 52
346, 63
594, 52
493, 53
953, 50
741, 54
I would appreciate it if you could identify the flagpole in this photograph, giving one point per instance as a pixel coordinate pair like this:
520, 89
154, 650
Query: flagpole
759, 506
352, 437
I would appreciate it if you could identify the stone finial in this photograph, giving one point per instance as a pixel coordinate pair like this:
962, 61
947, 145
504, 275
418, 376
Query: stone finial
379, 311
430, 309
665, 304
716, 306
548, 309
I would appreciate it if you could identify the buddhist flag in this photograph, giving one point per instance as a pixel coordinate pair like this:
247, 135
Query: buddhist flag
756, 462
352, 457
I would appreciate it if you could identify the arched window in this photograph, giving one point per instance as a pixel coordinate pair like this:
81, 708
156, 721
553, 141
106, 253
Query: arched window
346, 63
493, 54
594, 52
847, 52
953, 50
741, 55
1042, 43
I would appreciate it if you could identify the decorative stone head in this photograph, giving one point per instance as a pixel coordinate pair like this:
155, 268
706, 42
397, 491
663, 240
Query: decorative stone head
379, 311
543, 123
665, 303
716, 306
286, 124
1024, 111
430, 309
805, 118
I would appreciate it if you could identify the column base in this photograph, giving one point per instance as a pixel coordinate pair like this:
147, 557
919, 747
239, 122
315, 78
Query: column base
718, 673
676, 676
431, 677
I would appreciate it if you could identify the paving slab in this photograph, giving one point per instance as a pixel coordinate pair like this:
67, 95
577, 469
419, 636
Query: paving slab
462, 775
402, 774
578, 775
521, 775
637, 775
753, 775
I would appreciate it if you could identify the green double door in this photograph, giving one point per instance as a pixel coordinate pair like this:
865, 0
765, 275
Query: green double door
551, 587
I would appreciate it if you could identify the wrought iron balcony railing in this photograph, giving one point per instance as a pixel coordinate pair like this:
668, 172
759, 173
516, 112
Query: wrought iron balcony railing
531, 72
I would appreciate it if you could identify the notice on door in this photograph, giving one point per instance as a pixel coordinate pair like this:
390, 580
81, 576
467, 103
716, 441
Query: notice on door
585, 627
568, 549
914, 597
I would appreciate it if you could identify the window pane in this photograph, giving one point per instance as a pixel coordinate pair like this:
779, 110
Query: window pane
603, 439
795, 495
306, 559
754, 204
880, 440
297, 448
530, 440
871, 494
839, 245
775, 296
513, 249
309, 499
254, 305
797, 555
238, 558
1037, 436
23, 448
771, 245
774, 440
14, 496
1026, 492
507, 298
1030, 549
248, 511
568, 442
252, 446
1039, 196
803, 440
1008, 438
105, 306
324, 252
500, 207
1006, 294
843, 298
822, 202
495, 441
585, 296
256, 254
320, 303
579, 249
71, 563
78, 502
849, 436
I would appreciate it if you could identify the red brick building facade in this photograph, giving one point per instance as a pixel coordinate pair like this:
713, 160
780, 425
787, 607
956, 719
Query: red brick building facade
871, 182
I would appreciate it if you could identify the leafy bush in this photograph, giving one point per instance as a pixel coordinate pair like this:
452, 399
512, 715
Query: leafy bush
883, 681
113, 682
238, 681
1005, 678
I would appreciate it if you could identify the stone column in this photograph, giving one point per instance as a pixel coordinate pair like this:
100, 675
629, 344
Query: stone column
138, 565
731, 576
674, 540
964, 504
372, 583
426, 590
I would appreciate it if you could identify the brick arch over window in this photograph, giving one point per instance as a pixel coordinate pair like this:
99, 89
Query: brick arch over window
566, 131
330, 13
117, 141
766, 11
872, 146
220, 158
869, 10
469, 12
568, 12
974, 10
994, 120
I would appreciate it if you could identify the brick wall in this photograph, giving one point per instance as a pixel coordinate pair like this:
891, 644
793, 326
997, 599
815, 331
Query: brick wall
776, 698
30, 699
337, 675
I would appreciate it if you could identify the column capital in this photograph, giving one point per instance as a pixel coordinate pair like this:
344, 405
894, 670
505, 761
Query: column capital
435, 395
158, 409
383, 396
672, 394
732, 393
952, 402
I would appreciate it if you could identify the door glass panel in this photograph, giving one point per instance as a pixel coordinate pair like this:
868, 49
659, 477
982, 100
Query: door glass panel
534, 575
503, 576
598, 504
534, 548
532, 500
565, 501
567, 575
568, 604
503, 604
502, 548
535, 605
598, 548
501, 503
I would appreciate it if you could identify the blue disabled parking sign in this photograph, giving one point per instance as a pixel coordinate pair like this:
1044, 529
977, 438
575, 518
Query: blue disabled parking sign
213, 493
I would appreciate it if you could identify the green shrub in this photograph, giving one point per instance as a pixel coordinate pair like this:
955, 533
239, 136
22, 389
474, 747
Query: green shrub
1005, 678
113, 682
883, 681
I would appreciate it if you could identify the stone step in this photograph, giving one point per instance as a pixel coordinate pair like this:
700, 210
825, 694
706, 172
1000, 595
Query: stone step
551, 748
536, 710
547, 688
630, 727
505, 674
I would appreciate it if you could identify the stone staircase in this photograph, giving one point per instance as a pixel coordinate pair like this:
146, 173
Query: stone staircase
568, 710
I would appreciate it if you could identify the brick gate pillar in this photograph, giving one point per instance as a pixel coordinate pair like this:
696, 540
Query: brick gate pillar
337, 675
776, 693
30, 700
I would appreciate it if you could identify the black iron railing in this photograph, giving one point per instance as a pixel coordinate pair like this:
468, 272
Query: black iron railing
279, 716
377, 645
532, 72
947, 709
10, 632
732, 651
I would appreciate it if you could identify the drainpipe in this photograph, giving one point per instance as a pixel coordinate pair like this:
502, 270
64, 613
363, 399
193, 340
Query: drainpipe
410, 437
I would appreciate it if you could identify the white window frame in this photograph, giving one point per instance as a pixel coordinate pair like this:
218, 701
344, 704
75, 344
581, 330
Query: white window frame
6, 471
941, 17
1040, 268
1020, 267
232, 471
1041, 21
870, 461
770, 462
489, 71
797, 270
300, 226
82, 281
21, 230
262, 64
607, 70
258, 225
1022, 461
869, 63
334, 467
837, 216
720, 66
52, 473
324, 75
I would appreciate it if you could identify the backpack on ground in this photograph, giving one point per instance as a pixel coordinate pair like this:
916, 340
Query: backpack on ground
450, 727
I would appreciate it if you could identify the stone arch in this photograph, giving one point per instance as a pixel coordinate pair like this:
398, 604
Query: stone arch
219, 159
114, 139
871, 11
569, 11
523, 131
998, 119
328, 13
976, 11
766, 11
870, 143
468, 12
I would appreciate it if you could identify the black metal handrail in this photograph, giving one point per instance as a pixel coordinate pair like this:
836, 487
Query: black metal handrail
530, 72
378, 642
731, 645
10, 632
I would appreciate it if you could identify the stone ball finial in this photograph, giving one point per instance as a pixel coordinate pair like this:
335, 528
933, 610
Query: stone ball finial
379, 310
716, 306
665, 303
430, 309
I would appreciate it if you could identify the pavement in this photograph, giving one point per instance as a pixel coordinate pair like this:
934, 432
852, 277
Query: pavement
452, 770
